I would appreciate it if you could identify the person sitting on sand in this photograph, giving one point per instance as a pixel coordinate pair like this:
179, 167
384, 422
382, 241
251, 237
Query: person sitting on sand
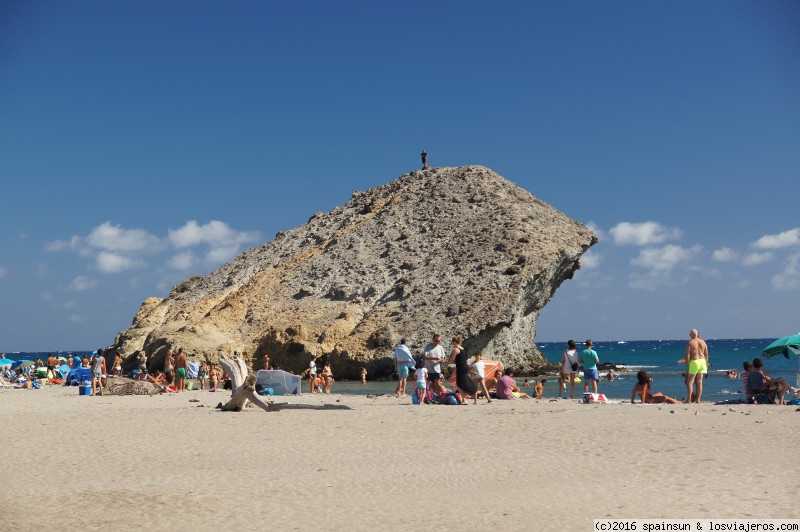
642, 387
505, 386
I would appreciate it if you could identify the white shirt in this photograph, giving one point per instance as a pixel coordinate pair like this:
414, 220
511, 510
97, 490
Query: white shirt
312, 367
479, 367
434, 366
421, 374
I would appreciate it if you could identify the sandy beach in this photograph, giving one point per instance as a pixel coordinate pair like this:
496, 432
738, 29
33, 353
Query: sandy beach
174, 461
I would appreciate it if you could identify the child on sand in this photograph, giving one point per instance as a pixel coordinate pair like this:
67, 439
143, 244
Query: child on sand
478, 373
422, 375
538, 390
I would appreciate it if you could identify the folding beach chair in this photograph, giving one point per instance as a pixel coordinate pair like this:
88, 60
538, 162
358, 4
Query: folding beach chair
762, 395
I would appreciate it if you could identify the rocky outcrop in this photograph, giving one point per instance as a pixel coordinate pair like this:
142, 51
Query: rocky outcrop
457, 251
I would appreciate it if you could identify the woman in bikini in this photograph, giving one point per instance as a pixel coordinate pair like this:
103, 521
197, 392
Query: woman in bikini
642, 387
327, 375
202, 374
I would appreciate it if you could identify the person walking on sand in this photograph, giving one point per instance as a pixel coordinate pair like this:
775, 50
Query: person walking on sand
464, 383
434, 355
590, 360
478, 373
424, 156
569, 369
697, 360
402, 362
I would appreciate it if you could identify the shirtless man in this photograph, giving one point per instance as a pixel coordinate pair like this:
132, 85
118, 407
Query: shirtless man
697, 360
51, 366
181, 370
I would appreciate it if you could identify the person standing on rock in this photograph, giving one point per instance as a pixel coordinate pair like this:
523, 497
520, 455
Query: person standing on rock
424, 156
402, 362
434, 355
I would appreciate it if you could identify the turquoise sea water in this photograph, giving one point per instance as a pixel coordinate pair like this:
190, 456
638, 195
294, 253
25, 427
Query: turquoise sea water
658, 357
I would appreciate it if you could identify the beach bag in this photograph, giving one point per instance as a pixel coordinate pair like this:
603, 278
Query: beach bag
574, 365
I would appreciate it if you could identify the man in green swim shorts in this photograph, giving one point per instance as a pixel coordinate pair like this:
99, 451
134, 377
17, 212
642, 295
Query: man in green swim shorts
181, 369
697, 360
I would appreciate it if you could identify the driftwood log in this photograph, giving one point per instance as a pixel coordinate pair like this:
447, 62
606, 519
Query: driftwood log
243, 385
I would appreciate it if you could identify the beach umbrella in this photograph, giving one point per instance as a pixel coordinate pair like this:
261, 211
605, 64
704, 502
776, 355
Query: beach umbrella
785, 346
18, 363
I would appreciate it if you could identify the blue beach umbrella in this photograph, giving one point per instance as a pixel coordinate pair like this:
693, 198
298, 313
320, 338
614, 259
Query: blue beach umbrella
18, 363
785, 346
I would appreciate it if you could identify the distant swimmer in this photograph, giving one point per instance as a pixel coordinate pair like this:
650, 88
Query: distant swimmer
424, 156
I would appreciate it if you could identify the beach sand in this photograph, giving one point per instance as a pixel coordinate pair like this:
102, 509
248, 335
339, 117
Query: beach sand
138, 462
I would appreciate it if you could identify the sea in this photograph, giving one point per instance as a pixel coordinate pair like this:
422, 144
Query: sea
658, 357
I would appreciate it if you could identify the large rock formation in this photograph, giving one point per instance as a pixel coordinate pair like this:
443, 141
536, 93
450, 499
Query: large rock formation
458, 251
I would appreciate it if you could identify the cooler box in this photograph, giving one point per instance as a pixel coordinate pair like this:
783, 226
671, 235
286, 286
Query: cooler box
84, 390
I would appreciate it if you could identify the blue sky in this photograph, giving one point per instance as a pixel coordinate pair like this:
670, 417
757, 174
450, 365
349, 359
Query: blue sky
142, 142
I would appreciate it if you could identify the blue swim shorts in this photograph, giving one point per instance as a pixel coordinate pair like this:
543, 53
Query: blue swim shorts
402, 370
591, 375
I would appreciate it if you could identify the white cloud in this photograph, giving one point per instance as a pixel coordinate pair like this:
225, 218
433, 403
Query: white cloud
665, 258
789, 279
754, 259
182, 261
590, 260
214, 233
223, 242
63, 245
643, 234
109, 237
781, 240
724, 255
659, 264
81, 283
115, 249
593, 227
114, 263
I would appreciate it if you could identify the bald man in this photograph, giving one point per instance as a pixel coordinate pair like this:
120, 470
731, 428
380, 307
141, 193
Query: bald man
697, 361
